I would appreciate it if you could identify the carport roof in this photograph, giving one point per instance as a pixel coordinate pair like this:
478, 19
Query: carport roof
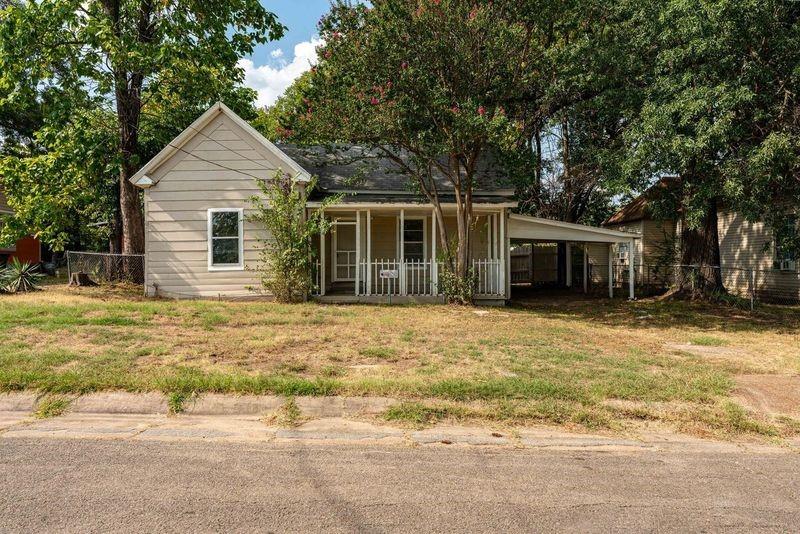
536, 228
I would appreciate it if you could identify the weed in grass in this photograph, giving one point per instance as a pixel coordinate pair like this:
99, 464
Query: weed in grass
739, 421
291, 368
211, 320
287, 415
51, 406
331, 371
708, 341
381, 353
408, 336
420, 414
176, 402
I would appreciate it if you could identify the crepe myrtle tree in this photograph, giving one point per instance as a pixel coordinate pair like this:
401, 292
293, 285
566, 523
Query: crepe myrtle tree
118, 52
424, 84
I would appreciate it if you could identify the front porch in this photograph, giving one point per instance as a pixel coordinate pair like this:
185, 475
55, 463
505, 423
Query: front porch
383, 254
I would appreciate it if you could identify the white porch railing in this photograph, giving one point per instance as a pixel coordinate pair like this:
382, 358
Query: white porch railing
419, 277
488, 274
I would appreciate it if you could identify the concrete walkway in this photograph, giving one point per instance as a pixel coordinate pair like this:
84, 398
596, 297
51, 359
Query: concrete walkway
334, 420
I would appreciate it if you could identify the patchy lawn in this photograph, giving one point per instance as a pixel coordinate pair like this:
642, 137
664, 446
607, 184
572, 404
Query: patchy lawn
596, 363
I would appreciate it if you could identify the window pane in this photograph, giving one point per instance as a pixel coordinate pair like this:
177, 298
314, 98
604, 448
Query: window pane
413, 230
414, 251
225, 224
225, 251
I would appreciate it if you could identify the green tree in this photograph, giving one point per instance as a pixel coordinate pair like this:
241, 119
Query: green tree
721, 112
119, 52
424, 84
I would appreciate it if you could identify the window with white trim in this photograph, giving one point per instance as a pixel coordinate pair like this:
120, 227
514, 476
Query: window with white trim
414, 239
225, 239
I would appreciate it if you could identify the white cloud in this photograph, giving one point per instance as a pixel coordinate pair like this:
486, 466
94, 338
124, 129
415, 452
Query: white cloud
278, 52
271, 82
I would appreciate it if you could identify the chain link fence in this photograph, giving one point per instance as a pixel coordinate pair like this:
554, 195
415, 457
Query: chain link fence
743, 287
102, 268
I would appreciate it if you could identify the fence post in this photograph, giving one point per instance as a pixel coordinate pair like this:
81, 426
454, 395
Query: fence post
752, 288
69, 268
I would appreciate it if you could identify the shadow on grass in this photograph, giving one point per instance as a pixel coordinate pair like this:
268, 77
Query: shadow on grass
653, 313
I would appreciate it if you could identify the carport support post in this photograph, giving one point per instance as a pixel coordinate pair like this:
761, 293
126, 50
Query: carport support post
569, 263
369, 252
631, 271
585, 267
322, 259
358, 253
611, 270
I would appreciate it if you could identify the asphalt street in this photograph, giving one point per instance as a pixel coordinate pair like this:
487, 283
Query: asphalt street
51, 484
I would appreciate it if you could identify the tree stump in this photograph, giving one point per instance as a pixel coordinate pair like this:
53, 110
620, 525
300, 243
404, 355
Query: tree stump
80, 279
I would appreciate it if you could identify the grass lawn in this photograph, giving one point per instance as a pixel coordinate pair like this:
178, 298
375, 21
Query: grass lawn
596, 363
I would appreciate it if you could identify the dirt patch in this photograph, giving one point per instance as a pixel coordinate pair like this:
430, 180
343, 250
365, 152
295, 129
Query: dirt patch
771, 394
706, 351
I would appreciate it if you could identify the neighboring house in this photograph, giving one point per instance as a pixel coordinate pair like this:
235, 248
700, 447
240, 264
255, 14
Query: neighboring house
384, 242
27, 250
744, 246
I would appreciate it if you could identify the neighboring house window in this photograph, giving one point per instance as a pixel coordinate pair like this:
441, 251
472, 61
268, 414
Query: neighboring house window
225, 239
785, 255
414, 239
623, 251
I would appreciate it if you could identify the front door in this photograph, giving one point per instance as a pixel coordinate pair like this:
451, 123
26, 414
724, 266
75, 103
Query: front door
344, 253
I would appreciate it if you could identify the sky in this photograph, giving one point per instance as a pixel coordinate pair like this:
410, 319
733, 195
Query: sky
274, 66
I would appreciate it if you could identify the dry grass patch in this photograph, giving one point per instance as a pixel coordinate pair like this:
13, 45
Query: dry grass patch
559, 361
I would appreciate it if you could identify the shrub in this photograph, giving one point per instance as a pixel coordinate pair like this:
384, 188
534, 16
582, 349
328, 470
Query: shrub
286, 260
20, 277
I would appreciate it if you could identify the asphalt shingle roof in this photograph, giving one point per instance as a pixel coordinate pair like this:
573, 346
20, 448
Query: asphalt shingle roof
355, 168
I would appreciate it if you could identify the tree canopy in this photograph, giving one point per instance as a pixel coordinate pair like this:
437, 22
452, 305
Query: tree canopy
116, 61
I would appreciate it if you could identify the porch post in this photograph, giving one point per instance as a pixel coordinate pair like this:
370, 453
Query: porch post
496, 235
610, 270
585, 267
631, 271
402, 252
489, 236
322, 259
504, 251
569, 263
358, 252
369, 252
434, 262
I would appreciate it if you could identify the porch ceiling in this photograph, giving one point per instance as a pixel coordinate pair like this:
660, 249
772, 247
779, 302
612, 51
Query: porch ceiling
535, 228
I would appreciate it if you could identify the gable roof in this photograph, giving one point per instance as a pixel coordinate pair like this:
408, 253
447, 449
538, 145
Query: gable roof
368, 172
142, 179
639, 208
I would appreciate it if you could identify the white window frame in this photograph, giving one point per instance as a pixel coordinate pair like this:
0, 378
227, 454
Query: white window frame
424, 220
226, 266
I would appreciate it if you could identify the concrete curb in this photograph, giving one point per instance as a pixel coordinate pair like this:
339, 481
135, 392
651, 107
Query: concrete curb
120, 402
120, 415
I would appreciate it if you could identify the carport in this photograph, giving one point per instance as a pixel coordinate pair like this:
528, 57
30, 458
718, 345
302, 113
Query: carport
526, 229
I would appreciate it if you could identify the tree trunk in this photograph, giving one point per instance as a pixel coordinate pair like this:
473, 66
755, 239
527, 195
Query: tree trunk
701, 275
129, 111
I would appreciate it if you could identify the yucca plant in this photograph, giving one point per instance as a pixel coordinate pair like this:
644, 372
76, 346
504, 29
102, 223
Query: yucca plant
20, 277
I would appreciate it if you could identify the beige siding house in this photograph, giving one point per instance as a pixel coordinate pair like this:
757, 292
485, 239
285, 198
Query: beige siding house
747, 249
205, 178
384, 240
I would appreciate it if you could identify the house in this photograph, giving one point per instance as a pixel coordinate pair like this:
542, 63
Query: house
748, 251
27, 250
383, 245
